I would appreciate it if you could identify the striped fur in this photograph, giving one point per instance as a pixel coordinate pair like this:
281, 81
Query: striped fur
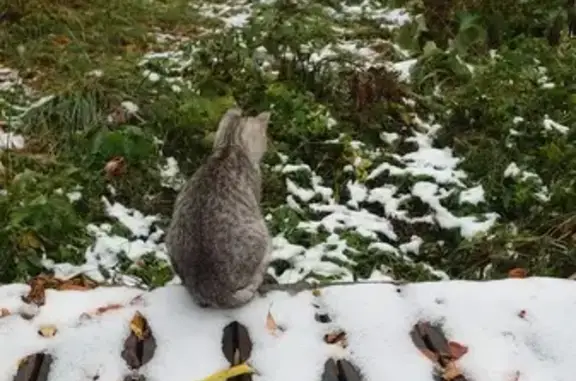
218, 241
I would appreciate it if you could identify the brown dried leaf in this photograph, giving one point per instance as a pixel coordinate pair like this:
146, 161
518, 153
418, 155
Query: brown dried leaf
4, 312
457, 350
137, 300
451, 371
115, 167
104, 309
139, 326
518, 272
316, 292
338, 337
271, 325
61, 40
47, 331
37, 294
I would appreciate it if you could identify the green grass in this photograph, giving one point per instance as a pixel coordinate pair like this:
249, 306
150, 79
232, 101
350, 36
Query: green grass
56, 45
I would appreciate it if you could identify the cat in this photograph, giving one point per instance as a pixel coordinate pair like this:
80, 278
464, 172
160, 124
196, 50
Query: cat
218, 241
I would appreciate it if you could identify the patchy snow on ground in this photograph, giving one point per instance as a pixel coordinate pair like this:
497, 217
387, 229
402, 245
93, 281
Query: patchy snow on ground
375, 215
105, 253
368, 212
524, 329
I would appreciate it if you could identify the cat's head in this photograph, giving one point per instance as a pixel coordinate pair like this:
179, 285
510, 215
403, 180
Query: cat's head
245, 131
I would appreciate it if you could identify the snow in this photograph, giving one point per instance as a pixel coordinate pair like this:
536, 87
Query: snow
371, 212
512, 170
82, 348
472, 196
469, 226
188, 338
170, 174
138, 224
524, 326
130, 107
377, 321
389, 137
540, 346
413, 246
9, 140
105, 252
551, 125
304, 261
299, 352
403, 68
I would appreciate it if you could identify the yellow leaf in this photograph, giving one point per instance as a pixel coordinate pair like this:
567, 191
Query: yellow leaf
234, 371
29, 240
138, 325
47, 330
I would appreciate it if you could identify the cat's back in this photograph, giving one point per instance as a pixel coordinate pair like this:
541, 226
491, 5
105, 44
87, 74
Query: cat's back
220, 194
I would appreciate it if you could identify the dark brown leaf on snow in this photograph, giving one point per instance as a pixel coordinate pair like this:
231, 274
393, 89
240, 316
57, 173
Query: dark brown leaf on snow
140, 345
34, 368
236, 343
430, 340
337, 337
340, 370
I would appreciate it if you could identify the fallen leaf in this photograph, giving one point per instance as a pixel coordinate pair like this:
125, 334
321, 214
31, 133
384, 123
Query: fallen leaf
115, 167
226, 374
522, 314
139, 326
457, 350
61, 40
4, 312
338, 337
48, 330
518, 272
271, 325
29, 240
79, 282
451, 371
37, 294
316, 292
137, 300
109, 307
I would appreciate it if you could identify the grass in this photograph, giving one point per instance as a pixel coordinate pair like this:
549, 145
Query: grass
92, 57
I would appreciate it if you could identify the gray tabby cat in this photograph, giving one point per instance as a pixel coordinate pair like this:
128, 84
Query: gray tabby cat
218, 240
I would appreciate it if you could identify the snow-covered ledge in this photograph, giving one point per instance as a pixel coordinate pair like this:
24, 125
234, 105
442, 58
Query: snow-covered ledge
513, 329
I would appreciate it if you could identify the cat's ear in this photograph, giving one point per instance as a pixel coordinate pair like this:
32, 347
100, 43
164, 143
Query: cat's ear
264, 118
230, 118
